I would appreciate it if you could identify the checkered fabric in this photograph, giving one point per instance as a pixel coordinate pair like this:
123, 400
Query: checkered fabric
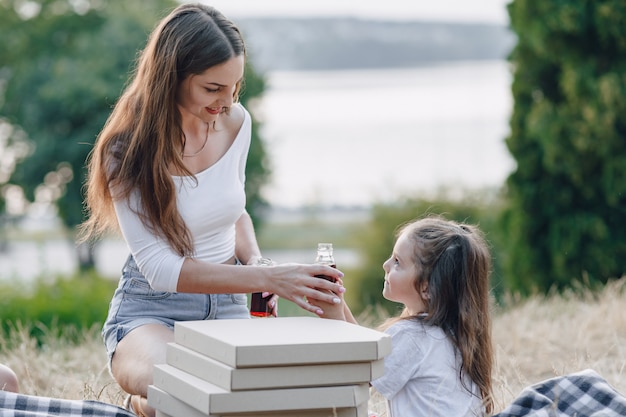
20, 405
582, 394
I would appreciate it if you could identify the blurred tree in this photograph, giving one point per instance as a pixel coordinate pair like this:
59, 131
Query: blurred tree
63, 63
568, 135
258, 169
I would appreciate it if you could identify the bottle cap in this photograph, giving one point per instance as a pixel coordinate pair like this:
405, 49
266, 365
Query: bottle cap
325, 246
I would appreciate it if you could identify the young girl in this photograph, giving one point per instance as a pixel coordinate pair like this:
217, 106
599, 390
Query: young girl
441, 358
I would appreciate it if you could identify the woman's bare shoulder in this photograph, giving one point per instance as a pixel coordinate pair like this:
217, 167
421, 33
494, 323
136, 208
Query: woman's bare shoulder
234, 117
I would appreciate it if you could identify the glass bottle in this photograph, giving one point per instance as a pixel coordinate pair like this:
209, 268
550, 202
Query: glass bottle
258, 303
325, 257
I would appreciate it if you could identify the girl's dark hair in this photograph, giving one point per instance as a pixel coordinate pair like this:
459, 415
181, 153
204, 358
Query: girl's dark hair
453, 259
142, 140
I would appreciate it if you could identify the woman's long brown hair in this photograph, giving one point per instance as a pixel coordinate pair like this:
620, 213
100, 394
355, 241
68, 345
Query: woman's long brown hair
454, 260
143, 137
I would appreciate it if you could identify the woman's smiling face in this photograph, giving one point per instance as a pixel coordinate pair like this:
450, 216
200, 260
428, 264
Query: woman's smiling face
212, 92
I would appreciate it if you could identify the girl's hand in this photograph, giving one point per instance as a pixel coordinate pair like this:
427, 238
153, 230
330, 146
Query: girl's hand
332, 311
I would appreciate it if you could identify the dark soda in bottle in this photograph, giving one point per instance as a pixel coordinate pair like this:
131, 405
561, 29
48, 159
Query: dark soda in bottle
258, 303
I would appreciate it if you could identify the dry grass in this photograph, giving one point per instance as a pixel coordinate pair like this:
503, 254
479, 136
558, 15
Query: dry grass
534, 339
545, 337
61, 369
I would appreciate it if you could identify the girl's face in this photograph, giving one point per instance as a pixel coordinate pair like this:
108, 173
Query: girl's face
212, 92
400, 276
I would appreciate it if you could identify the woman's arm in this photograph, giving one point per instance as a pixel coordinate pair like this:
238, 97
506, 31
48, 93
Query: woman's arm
246, 247
168, 271
294, 282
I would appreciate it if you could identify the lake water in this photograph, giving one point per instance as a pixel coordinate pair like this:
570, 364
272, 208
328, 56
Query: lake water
352, 138
357, 137
27, 260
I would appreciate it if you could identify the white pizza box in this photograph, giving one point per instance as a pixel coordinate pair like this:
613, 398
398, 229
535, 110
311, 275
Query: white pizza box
169, 406
294, 376
211, 399
343, 412
242, 343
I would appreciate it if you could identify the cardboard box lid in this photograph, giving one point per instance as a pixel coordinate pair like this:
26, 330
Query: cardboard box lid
168, 406
171, 406
211, 399
290, 376
242, 343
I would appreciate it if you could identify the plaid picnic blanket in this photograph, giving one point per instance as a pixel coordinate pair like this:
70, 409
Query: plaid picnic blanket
20, 405
581, 394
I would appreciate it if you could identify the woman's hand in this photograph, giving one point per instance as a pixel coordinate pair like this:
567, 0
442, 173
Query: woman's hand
298, 283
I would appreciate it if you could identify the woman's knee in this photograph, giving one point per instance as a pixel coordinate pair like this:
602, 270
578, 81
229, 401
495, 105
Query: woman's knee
8, 379
136, 354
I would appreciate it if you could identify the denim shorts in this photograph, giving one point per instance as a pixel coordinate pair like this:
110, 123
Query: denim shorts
135, 303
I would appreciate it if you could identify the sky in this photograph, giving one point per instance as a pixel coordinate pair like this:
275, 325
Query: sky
489, 11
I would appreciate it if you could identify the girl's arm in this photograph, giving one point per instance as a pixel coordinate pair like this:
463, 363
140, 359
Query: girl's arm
348, 313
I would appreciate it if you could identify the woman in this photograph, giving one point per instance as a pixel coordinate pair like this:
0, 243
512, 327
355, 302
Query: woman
168, 168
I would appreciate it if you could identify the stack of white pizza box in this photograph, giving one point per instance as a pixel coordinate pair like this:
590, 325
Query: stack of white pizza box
271, 367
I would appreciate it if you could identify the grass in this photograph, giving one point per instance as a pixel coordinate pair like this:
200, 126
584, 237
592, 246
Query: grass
59, 368
534, 339
544, 337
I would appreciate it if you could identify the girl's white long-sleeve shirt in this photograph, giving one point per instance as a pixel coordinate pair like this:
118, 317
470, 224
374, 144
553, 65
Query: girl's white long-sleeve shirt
210, 205
422, 375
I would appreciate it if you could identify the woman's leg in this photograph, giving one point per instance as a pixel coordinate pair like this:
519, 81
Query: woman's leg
133, 362
8, 379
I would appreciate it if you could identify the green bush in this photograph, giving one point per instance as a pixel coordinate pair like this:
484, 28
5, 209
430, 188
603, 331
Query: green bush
65, 304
